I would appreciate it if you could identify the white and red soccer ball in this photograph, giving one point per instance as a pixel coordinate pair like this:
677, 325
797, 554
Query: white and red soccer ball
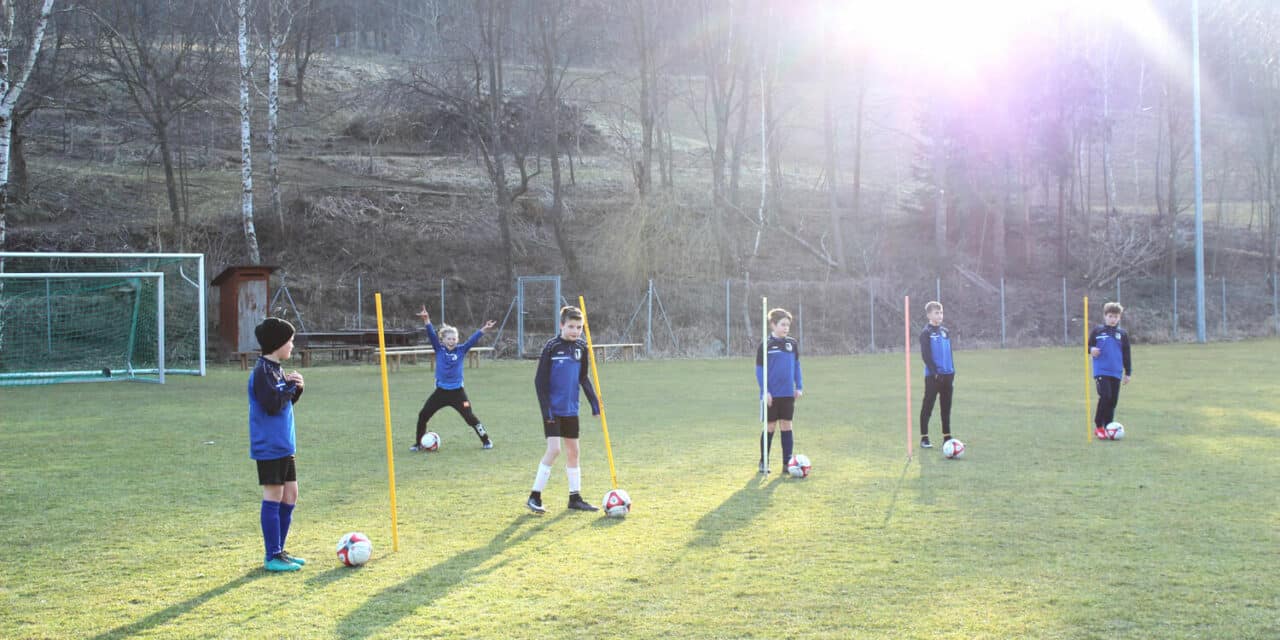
355, 549
953, 449
430, 441
616, 503
799, 466
1114, 431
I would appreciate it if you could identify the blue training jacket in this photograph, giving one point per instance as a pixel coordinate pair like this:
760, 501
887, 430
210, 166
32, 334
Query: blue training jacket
562, 368
935, 348
1114, 344
784, 367
271, 399
449, 363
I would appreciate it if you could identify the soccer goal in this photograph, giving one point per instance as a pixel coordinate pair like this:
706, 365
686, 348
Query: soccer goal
81, 327
184, 288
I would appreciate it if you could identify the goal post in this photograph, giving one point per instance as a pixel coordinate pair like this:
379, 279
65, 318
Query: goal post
82, 327
185, 288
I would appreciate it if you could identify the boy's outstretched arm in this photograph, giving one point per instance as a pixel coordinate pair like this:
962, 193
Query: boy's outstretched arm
475, 337
431, 331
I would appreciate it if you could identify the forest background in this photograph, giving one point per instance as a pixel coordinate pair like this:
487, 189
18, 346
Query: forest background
831, 155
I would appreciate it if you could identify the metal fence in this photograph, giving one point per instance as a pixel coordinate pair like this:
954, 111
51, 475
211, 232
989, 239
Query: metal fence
714, 318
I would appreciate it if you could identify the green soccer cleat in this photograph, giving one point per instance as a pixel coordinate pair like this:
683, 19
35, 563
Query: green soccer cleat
280, 564
289, 557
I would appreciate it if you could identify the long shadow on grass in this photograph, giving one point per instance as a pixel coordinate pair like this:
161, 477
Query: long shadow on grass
736, 512
169, 613
893, 499
390, 605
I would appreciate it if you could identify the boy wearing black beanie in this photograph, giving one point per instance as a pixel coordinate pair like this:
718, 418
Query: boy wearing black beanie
272, 394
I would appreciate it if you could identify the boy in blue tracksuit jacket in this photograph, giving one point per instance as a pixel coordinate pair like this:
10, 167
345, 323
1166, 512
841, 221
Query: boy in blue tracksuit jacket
1109, 348
785, 384
563, 367
272, 394
939, 372
450, 357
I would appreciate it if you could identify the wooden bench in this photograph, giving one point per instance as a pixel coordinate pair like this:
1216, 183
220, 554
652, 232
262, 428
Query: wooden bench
626, 349
396, 354
346, 352
245, 358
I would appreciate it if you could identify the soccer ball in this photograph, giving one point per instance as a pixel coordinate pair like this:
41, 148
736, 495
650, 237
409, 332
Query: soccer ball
953, 448
430, 441
798, 466
354, 549
1115, 431
617, 504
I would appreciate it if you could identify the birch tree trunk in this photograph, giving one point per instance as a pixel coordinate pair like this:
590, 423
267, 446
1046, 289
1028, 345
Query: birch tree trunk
10, 90
277, 34
246, 141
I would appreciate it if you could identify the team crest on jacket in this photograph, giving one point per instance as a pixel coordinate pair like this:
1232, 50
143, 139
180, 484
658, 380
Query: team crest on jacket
787, 346
577, 353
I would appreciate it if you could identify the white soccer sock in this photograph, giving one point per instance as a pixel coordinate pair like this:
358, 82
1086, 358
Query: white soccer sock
540, 481
575, 478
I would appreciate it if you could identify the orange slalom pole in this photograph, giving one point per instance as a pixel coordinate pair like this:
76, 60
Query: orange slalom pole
1088, 420
386, 414
906, 323
595, 378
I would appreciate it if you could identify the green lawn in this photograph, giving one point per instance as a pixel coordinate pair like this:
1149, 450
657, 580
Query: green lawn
132, 510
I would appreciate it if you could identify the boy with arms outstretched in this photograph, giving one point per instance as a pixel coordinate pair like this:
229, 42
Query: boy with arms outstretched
785, 384
272, 394
563, 367
1109, 348
939, 372
450, 357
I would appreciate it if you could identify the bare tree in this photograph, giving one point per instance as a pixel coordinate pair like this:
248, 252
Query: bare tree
721, 56
829, 142
555, 22
164, 55
306, 41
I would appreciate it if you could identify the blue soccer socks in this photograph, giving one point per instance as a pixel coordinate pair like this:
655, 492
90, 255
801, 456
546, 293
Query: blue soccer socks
270, 517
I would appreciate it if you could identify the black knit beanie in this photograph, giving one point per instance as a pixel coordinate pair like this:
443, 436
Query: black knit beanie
273, 333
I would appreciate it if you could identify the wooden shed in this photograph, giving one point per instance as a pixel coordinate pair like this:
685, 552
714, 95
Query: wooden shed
244, 298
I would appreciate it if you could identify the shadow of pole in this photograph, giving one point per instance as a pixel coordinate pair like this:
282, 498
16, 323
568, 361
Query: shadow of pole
893, 499
173, 611
386, 607
736, 512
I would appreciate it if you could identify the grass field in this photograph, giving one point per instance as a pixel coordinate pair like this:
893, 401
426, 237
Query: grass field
132, 510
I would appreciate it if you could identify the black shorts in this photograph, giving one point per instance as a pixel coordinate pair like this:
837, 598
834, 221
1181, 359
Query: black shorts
561, 427
782, 409
278, 471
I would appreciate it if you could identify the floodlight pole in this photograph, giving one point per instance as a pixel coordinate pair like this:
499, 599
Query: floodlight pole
1199, 170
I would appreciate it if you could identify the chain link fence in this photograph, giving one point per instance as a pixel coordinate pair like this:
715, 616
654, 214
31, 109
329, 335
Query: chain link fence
718, 318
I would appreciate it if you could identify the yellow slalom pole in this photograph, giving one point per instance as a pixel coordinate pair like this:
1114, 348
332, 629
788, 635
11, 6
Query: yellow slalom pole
1088, 418
386, 414
595, 379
